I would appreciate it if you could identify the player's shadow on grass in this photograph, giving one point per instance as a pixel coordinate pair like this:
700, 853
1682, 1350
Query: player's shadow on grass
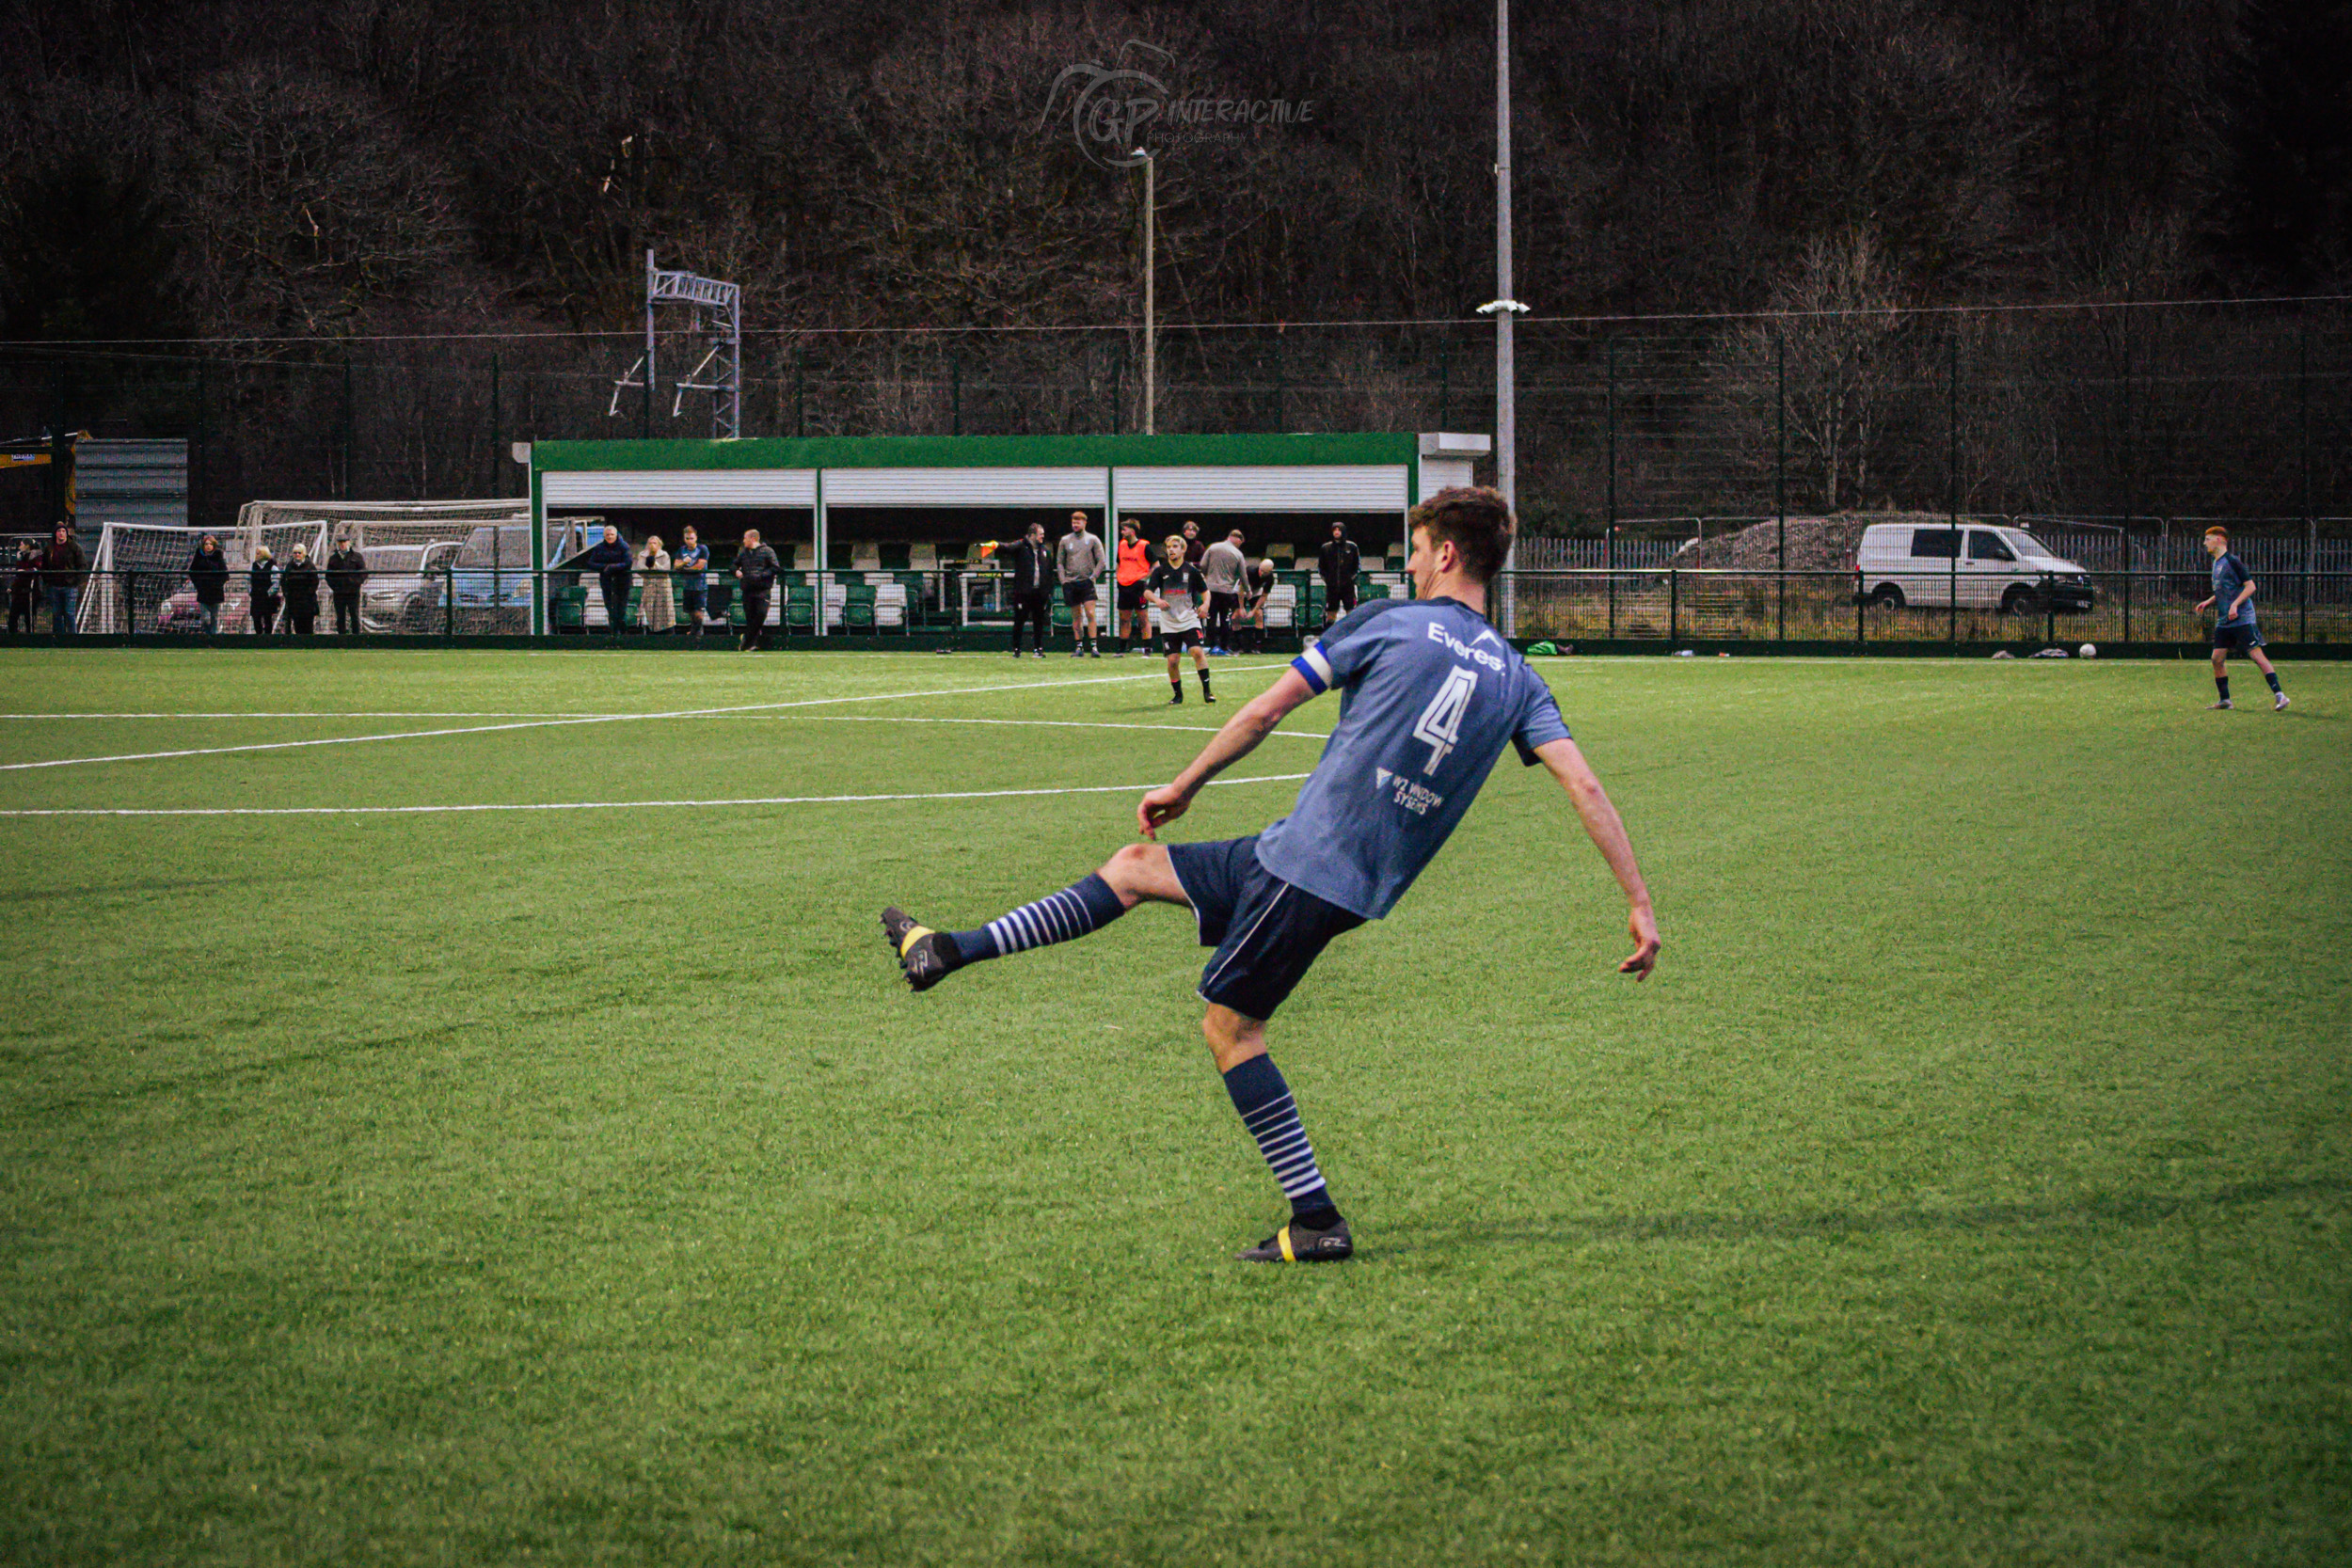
1829, 1225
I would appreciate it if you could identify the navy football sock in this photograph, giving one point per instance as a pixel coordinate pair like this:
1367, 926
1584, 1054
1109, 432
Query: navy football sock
2272, 676
2223, 682
1082, 907
1271, 1117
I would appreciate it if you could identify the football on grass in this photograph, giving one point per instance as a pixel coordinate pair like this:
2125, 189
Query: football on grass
2089, 651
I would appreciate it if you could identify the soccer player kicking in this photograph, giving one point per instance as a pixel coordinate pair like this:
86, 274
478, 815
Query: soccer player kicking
1431, 694
2233, 604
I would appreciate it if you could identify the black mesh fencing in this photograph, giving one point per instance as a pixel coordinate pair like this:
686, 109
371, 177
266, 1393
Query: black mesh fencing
2131, 414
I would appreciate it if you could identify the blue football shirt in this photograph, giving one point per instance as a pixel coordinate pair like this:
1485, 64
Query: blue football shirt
1429, 695
2229, 576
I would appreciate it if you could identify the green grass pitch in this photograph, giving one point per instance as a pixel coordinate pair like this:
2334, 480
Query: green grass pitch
1972, 1184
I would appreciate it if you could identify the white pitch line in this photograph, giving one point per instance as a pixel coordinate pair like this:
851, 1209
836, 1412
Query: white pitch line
592, 719
605, 805
1041, 724
379, 713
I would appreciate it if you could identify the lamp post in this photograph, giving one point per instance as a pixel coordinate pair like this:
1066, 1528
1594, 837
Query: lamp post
1502, 309
1151, 380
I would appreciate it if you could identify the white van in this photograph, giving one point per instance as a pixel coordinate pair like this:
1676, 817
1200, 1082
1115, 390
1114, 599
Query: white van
2004, 568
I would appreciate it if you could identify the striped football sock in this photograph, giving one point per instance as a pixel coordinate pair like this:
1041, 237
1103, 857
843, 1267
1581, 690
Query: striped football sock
1271, 1117
1064, 916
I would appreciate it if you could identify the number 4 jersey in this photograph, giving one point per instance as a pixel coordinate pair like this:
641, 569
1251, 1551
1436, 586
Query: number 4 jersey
1429, 695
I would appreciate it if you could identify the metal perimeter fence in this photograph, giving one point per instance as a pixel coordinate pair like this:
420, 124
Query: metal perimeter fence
1666, 605
2116, 412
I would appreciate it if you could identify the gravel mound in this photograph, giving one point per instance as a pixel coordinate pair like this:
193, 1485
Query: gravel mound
1815, 544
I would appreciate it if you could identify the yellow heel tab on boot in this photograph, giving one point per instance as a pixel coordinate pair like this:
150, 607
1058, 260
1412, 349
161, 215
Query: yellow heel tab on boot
914, 934
1284, 1236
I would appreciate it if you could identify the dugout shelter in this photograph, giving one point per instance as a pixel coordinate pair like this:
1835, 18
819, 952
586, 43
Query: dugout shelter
835, 505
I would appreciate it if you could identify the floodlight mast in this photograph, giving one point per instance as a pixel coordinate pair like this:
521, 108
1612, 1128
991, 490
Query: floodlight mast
1503, 307
1150, 171
717, 303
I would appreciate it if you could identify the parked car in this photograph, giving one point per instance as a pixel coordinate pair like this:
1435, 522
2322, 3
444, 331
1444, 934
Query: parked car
2000, 567
402, 592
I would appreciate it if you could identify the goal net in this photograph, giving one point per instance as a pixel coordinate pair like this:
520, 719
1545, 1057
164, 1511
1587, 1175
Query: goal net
139, 575
433, 566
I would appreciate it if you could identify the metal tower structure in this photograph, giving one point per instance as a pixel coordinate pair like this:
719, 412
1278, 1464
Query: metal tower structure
718, 309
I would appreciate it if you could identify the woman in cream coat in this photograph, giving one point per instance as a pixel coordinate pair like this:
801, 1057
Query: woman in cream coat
656, 610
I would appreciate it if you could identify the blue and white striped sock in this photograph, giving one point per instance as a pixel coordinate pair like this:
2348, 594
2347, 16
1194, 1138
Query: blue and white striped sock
1271, 1117
1064, 916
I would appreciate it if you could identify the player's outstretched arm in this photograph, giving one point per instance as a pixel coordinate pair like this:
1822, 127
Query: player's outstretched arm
1607, 831
1237, 739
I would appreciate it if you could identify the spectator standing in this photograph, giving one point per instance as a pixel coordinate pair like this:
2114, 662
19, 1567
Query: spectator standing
1223, 566
63, 569
611, 558
693, 563
1135, 564
301, 582
346, 569
756, 569
24, 588
655, 610
262, 596
1195, 547
1079, 558
1028, 568
208, 574
1337, 564
1257, 586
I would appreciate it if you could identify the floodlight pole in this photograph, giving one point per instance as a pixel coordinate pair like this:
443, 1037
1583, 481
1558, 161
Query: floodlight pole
1503, 307
1151, 379
652, 275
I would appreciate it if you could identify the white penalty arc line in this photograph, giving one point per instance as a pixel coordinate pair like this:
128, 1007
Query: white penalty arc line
592, 718
610, 805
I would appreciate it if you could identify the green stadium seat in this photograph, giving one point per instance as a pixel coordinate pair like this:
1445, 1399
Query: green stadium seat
567, 608
800, 607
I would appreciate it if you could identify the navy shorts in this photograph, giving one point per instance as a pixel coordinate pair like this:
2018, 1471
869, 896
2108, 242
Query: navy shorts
1130, 596
2237, 639
1075, 594
1267, 933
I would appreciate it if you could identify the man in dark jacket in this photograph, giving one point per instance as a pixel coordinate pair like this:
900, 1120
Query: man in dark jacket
755, 568
208, 574
346, 569
1337, 565
611, 558
24, 587
1029, 573
63, 568
301, 582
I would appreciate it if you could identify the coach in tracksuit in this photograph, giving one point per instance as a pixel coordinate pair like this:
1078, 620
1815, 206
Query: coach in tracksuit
1029, 573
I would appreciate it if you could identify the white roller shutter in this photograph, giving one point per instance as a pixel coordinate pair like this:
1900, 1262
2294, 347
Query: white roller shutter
1301, 487
1444, 473
681, 487
967, 486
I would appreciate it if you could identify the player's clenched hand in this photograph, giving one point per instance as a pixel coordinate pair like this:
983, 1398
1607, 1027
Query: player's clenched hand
1643, 926
1161, 807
